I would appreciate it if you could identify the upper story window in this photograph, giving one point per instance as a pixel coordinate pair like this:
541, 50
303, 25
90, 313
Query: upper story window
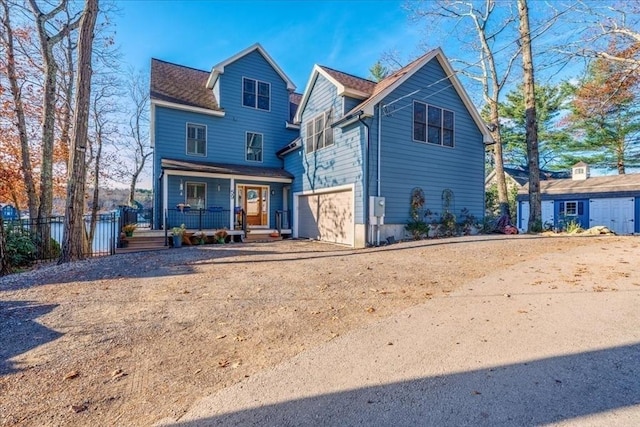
432, 124
319, 133
254, 146
256, 94
196, 139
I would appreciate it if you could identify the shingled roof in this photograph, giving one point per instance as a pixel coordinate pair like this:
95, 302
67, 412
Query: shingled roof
181, 85
598, 184
350, 81
226, 169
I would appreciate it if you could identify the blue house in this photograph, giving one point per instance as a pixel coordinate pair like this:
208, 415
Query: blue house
612, 201
215, 136
337, 164
364, 146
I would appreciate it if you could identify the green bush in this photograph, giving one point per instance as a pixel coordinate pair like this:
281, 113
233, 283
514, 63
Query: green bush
21, 249
418, 229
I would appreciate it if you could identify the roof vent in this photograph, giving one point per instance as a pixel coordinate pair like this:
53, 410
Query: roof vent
580, 171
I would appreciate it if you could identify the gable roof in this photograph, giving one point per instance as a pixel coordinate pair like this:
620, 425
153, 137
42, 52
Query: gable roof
219, 68
372, 93
597, 184
182, 85
520, 174
346, 84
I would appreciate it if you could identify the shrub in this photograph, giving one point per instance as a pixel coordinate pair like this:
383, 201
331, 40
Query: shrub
21, 248
574, 226
418, 229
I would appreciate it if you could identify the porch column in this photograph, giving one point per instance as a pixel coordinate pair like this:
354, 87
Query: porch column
165, 198
232, 203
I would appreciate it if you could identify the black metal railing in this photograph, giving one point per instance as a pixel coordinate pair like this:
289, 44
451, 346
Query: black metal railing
283, 220
142, 218
44, 236
198, 219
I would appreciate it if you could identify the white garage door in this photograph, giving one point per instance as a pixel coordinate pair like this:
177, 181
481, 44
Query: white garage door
327, 217
617, 214
548, 215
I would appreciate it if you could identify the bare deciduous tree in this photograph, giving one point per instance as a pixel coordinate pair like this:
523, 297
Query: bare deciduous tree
74, 239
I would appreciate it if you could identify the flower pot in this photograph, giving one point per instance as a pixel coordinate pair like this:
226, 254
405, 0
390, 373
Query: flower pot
177, 241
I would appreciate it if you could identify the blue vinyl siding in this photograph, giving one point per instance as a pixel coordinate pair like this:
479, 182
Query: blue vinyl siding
226, 136
350, 104
583, 213
336, 165
406, 164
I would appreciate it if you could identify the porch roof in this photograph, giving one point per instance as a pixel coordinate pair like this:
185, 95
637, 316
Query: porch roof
226, 169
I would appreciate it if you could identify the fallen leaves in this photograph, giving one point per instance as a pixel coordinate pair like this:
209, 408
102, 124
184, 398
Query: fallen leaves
71, 375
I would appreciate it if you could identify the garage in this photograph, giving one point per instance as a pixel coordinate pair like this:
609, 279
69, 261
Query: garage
326, 216
615, 213
547, 214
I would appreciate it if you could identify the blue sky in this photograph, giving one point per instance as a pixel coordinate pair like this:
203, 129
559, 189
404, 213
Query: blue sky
349, 36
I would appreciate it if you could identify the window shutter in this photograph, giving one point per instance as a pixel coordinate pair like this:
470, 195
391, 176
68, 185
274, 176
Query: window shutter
580, 208
561, 208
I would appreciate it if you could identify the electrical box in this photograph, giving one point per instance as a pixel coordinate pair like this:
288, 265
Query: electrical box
377, 206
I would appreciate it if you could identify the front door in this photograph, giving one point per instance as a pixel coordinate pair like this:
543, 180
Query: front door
255, 205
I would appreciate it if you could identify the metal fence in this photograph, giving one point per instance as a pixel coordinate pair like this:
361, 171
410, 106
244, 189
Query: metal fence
198, 219
42, 238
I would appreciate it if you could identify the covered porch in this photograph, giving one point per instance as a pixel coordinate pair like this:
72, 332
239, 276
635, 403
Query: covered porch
213, 196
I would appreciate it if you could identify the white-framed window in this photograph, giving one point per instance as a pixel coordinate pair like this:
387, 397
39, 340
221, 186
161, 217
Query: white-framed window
196, 195
256, 94
433, 124
572, 208
253, 146
196, 139
318, 132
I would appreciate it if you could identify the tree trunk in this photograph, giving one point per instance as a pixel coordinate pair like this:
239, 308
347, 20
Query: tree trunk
27, 171
501, 181
74, 231
5, 268
535, 208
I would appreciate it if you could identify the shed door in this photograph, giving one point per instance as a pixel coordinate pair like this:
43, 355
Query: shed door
327, 217
617, 214
547, 215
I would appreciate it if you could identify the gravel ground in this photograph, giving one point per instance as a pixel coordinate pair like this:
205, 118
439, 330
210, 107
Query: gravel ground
133, 339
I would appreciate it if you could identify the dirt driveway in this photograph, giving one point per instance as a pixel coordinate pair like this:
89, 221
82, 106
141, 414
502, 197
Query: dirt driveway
132, 339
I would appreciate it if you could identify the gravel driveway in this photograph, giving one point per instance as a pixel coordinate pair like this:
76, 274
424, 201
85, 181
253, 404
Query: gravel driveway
134, 339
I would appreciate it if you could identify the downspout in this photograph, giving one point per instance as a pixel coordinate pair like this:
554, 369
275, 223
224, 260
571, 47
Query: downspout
365, 184
378, 167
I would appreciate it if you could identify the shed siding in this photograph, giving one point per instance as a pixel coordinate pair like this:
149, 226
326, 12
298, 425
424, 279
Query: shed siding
406, 164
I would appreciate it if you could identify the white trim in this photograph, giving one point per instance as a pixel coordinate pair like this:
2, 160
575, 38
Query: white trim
186, 140
152, 125
183, 107
341, 90
268, 202
256, 106
232, 203
186, 185
165, 199
226, 176
451, 75
219, 68
246, 134
293, 126
328, 190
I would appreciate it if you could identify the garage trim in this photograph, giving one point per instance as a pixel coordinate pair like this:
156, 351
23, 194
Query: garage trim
298, 194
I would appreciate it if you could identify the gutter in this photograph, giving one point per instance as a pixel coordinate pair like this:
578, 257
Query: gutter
366, 174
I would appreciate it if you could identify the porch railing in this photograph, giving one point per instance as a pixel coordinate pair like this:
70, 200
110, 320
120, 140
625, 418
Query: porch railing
198, 219
283, 220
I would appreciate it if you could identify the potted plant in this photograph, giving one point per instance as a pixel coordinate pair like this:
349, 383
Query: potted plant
128, 229
177, 233
220, 236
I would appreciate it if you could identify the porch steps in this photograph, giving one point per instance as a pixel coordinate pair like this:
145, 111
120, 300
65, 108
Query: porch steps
143, 243
261, 236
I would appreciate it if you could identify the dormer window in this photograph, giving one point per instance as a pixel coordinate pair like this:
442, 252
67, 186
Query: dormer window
256, 94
